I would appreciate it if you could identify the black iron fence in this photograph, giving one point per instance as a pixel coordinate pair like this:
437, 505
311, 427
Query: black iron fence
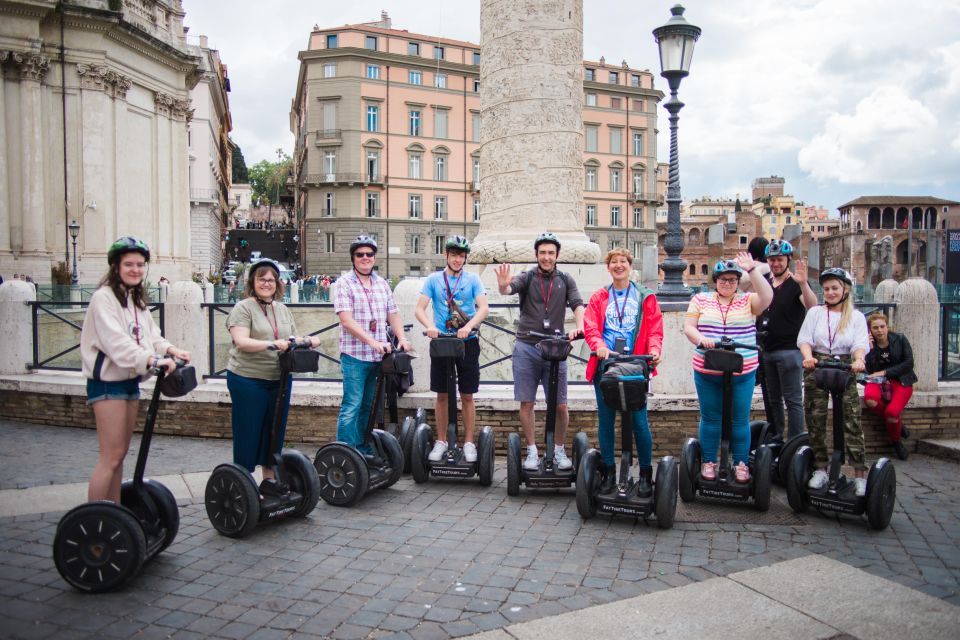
950, 341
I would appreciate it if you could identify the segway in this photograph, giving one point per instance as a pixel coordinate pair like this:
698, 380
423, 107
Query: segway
839, 495
235, 505
346, 474
448, 347
554, 348
388, 416
623, 383
101, 545
726, 360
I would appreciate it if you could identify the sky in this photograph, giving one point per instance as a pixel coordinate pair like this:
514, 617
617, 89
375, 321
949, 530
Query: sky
842, 98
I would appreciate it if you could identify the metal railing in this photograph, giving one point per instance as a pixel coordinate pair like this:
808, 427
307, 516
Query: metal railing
949, 341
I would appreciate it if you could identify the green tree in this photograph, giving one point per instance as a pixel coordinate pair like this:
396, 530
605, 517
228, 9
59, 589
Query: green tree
259, 186
240, 174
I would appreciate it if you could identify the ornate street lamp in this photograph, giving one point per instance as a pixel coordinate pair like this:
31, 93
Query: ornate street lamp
74, 228
676, 40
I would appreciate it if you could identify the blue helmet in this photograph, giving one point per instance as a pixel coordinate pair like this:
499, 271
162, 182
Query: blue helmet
778, 248
727, 266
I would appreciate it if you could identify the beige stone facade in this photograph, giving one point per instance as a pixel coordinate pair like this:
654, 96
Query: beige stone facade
125, 88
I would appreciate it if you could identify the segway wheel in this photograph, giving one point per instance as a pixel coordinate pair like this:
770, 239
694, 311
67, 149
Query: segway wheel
99, 546
303, 480
665, 492
757, 428
394, 452
485, 458
344, 477
419, 463
580, 446
167, 512
789, 450
762, 468
406, 439
689, 469
881, 493
513, 464
232, 501
588, 484
801, 468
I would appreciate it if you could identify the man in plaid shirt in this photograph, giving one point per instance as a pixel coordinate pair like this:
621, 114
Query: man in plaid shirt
365, 306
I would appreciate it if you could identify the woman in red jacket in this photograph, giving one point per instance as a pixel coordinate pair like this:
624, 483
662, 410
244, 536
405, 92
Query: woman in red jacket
629, 312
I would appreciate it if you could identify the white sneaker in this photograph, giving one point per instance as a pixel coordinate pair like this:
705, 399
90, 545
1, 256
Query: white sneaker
532, 463
439, 448
861, 486
470, 452
560, 458
819, 479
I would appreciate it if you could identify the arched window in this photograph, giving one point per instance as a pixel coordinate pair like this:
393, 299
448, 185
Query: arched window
902, 253
916, 218
693, 238
693, 269
930, 218
859, 225
888, 218
703, 269
902, 215
873, 218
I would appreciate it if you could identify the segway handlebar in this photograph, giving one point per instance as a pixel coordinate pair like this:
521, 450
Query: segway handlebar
294, 344
833, 364
444, 334
729, 345
156, 370
556, 335
625, 357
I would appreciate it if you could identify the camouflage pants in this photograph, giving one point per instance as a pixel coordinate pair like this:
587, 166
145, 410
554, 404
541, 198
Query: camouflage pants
817, 411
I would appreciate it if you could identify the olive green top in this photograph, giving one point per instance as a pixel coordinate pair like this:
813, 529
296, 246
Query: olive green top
249, 313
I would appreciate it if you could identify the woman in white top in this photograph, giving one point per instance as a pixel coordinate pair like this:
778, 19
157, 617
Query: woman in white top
834, 330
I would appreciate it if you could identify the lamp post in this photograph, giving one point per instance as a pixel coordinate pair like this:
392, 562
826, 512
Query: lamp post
676, 40
74, 228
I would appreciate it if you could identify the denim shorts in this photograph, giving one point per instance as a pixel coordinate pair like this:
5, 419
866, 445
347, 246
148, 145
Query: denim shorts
530, 370
98, 390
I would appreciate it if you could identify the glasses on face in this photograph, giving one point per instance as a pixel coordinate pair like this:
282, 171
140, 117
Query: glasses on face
727, 281
364, 254
266, 281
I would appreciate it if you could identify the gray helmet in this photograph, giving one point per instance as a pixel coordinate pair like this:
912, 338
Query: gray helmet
261, 262
727, 266
778, 248
836, 273
546, 237
363, 240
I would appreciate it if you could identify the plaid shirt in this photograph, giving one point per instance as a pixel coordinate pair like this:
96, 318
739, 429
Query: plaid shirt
364, 305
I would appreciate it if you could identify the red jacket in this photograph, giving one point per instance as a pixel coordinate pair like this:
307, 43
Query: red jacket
649, 337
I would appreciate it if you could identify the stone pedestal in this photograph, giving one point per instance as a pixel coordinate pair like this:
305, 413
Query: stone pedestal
918, 311
186, 323
15, 326
675, 374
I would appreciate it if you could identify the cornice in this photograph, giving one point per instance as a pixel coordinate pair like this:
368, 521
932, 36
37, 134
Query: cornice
427, 64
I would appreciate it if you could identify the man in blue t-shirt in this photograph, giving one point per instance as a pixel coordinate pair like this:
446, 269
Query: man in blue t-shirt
459, 306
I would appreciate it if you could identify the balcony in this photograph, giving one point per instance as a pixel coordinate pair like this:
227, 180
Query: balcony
328, 213
346, 179
326, 137
373, 213
204, 195
644, 196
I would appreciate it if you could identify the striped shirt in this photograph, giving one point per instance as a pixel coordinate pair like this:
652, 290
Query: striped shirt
364, 305
735, 321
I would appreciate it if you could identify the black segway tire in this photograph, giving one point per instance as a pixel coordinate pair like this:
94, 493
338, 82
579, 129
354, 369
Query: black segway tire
689, 469
881, 493
99, 546
588, 484
419, 463
419, 417
762, 468
757, 428
303, 479
406, 439
580, 446
665, 492
789, 449
513, 464
801, 468
344, 477
232, 501
485, 456
164, 501
393, 450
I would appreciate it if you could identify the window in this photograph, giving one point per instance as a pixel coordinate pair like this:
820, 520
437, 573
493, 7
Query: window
634, 80
616, 136
329, 244
329, 207
413, 165
743, 240
476, 57
438, 242
415, 246
440, 167
330, 164
591, 137
637, 248
693, 269
590, 74
440, 208
614, 102
614, 77
373, 115
788, 219
591, 99
637, 143
440, 123
332, 41
591, 215
415, 208
638, 183
476, 86
416, 77
637, 217
615, 180
370, 42
415, 122
615, 216
329, 71
413, 48
437, 52
476, 209
703, 269
373, 205
476, 127
476, 171
637, 105
440, 81
373, 72
591, 179
373, 166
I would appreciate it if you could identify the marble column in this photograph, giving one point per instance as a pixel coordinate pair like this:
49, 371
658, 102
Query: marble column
96, 116
4, 184
531, 144
32, 68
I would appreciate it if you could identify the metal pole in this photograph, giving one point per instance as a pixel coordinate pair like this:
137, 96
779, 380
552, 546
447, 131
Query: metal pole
673, 289
74, 277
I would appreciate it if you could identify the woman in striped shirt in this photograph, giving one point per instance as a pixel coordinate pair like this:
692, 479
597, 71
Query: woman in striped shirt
726, 312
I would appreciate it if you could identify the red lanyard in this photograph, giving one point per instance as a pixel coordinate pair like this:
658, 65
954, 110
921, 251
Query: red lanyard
620, 313
275, 326
724, 312
366, 292
546, 294
450, 294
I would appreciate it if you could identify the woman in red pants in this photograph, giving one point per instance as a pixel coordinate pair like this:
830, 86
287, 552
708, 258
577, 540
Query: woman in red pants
891, 357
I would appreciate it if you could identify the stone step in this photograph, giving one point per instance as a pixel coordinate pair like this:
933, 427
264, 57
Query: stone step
946, 449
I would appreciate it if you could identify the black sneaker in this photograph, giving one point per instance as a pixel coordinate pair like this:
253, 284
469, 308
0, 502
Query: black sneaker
645, 483
373, 460
609, 480
270, 487
904, 432
901, 450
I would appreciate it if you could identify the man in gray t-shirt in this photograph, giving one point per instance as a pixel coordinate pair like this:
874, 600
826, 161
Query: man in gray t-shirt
545, 293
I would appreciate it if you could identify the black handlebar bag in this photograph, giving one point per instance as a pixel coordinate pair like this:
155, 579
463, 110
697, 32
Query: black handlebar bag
446, 348
723, 361
398, 365
179, 383
300, 361
555, 350
624, 385
835, 380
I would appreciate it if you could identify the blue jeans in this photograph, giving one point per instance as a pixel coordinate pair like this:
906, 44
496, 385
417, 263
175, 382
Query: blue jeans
710, 395
606, 432
254, 404
359, 384
783, 372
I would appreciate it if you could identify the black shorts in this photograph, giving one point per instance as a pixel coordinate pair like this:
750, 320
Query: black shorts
468, 370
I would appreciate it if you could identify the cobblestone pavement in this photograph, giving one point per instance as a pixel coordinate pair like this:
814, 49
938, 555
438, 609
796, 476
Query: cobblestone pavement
431, 561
